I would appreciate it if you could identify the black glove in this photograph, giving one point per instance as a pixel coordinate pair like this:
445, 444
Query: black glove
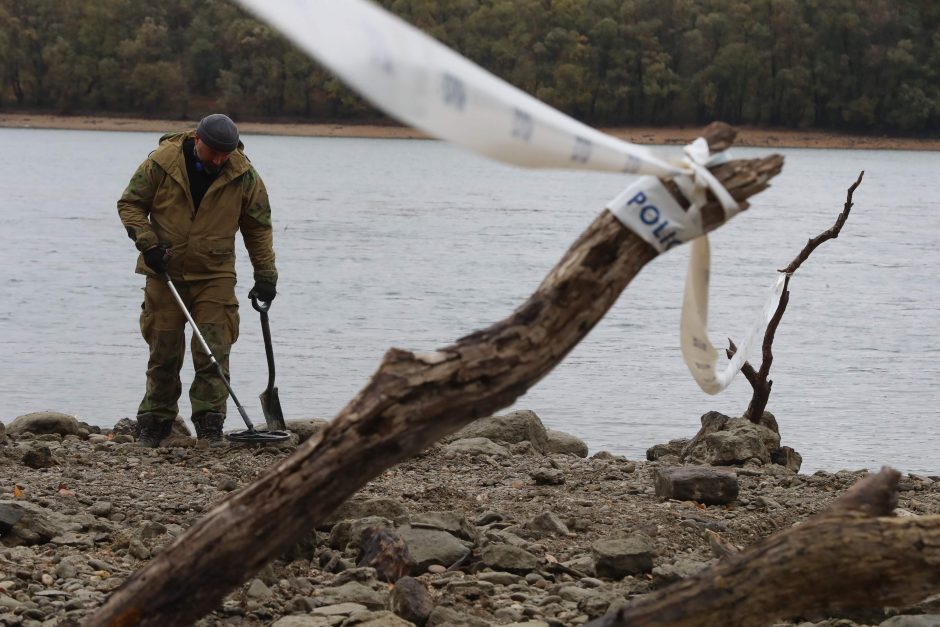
156, 259
263, 291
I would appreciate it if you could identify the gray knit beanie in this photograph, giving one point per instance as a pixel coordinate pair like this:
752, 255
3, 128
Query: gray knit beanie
218, 132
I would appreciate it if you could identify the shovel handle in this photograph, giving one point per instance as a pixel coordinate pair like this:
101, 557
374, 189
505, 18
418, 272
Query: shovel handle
266, 334
262, 307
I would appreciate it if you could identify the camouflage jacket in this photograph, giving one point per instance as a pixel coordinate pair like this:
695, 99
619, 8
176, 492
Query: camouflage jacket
157, 208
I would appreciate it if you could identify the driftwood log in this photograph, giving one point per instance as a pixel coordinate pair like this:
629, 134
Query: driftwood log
852, 556
759, 379
412, 401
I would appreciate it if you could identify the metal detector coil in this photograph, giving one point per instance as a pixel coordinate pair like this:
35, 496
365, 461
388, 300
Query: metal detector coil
254, 436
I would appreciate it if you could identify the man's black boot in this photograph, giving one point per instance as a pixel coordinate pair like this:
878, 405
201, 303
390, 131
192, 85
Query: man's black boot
152, 430
209, 426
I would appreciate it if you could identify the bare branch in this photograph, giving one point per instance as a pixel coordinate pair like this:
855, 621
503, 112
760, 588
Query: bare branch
832, 233
760, 383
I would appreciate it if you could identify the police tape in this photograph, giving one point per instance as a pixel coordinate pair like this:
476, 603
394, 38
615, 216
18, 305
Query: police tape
698, 352
648, 209
422, 83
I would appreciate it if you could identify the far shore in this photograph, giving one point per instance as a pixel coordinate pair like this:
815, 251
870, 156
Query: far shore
747, 136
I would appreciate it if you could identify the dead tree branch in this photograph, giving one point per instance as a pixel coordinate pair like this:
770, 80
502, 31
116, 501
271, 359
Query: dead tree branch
412, 401
831, 233
852, 556
759, 379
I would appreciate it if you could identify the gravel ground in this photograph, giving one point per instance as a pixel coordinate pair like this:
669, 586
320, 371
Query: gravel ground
522, 531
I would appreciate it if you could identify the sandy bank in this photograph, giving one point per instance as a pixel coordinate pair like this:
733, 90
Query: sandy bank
757, 137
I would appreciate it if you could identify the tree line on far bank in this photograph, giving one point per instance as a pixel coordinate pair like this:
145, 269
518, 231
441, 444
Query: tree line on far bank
870, 65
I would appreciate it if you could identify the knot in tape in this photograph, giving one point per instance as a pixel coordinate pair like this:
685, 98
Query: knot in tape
699, 179
648, 209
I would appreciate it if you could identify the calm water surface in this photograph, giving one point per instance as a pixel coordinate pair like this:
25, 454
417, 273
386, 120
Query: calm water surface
415, 243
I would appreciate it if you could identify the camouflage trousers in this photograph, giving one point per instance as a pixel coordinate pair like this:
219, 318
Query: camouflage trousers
213, 306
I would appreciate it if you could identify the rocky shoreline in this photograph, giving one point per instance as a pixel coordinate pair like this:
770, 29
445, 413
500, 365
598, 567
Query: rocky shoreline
506, 523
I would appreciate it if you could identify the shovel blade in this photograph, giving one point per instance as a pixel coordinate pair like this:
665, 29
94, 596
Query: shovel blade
271, 406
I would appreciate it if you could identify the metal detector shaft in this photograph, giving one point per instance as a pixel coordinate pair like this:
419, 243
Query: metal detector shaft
205, 347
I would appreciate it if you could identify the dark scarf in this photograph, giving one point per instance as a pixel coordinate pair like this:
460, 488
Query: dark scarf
199, 178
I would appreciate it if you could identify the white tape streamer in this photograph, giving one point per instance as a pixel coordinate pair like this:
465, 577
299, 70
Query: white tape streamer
697, 351
424, 84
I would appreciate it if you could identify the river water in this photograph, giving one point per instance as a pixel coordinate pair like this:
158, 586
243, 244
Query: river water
413, 244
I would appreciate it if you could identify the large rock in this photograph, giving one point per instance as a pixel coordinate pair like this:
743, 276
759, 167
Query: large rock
356, 508
517, 426
306, 429
547, 523
548, 476
431, 546
509, 558
476, 447
703, 484
453, 523
618, 557
725, 441
411, 600
38, 456
672, 447
561, 442
44, 422
30, 523
787, 457
9, 516
353, 592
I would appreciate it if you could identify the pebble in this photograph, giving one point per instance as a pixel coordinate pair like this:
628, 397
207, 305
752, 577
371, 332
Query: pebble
258, 590
228, 484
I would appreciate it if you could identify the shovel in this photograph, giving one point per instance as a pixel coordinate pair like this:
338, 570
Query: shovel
270, 403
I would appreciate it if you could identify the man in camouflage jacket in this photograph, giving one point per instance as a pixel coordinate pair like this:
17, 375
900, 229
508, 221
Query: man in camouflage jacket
182, 209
